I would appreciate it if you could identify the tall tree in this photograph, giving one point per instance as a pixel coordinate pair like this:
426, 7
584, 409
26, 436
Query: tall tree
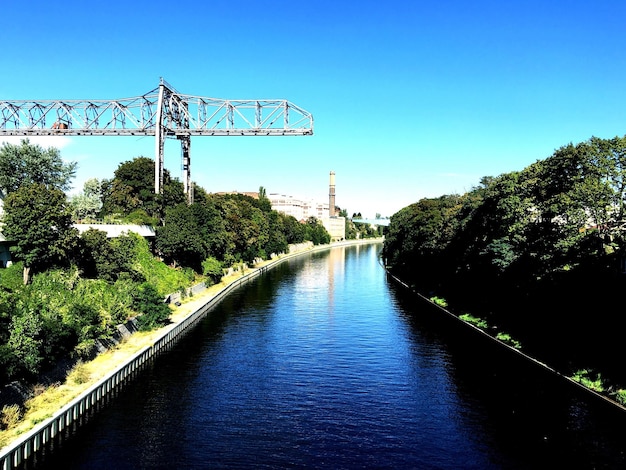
132, 189
38, 221
315, 232
87, 204
264, 203
180, 238
28, 163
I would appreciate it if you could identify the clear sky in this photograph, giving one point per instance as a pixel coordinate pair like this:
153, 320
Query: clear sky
411, 98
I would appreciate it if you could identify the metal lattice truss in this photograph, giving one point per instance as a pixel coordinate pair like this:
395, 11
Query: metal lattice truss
162, 112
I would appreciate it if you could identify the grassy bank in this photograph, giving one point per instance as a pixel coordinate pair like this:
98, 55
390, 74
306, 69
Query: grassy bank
47, 401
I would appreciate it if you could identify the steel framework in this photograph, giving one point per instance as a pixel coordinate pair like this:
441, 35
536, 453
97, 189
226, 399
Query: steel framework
162, 112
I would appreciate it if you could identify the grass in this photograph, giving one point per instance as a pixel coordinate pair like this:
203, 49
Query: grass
582, 376
48, 400
439, 301
620, 396
506, 338
10, 416
479, 322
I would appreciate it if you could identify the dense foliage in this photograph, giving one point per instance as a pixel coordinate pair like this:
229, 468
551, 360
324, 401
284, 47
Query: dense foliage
73, 290
356, 230
27, 163
539, 251
38, 222
62, 312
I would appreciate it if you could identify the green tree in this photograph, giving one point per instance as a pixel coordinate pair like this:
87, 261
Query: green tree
264, 203
132, 189
315, 232
180, 239
37, 221
277, 241
27, 163
246, 227
26, 342
87, 204
294, 230
149, 304
212, 269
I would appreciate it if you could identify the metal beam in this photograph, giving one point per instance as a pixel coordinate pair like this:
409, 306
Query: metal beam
162, 112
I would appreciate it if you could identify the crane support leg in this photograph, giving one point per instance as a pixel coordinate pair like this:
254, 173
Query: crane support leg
185, 142
159, 138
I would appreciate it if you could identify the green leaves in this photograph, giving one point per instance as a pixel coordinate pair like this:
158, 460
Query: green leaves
561, 213
38, 222
26, 163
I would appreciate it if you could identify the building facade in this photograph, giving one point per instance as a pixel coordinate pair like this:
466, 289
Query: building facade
301, 209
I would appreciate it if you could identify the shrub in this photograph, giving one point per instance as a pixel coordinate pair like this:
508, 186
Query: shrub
10, 416
479, 322
620, 396
147, 302
439, 301
506, 338
79, 374
582, 376
212, 269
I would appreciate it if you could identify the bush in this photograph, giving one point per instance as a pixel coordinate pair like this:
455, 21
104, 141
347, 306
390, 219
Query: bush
439, 301
620, 396
11, 277
582, 376
506, 338
212, 269
149, 304
79, 374
10, 416
479, 322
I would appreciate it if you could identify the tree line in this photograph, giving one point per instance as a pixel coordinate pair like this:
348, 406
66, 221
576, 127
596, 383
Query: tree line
66, 291
539, 252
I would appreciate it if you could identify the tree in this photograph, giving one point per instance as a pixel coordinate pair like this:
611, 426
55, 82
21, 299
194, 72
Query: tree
87, 204
212, 269
294, 230
264, 203
277, 242
132, 189
26, 341
27, 163
315, 232
149, 304
246, 227
180, 238
38, 221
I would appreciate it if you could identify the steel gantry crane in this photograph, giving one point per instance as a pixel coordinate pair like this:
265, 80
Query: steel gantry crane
163, 113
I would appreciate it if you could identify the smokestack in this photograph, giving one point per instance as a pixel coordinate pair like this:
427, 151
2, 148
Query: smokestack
331, 195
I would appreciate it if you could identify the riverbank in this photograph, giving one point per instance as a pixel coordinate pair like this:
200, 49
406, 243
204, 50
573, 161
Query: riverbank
46, 405
507, 343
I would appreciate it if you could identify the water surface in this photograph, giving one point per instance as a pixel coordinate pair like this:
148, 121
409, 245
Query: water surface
324, 363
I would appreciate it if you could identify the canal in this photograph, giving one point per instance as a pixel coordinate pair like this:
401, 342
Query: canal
323, 362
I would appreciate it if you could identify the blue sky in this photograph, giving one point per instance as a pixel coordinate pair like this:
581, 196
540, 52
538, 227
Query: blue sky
411, 99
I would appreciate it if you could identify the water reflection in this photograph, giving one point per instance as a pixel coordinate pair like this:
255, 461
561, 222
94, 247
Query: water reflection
533, 418
322, 363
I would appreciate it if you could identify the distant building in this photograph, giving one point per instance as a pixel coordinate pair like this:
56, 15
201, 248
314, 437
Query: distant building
303, 209
299, 208
335, 226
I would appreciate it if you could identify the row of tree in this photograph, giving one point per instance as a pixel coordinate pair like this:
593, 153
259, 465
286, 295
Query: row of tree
74, 288
538, 251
